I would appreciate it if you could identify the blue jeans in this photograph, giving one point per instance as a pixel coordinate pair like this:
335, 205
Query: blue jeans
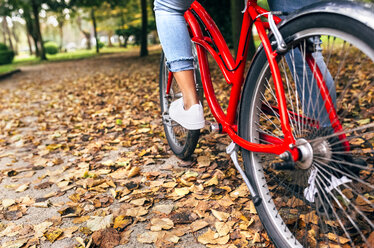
306, 84
173, 33
176, 44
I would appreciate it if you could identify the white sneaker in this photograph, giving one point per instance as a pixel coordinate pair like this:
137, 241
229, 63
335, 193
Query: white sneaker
191, 119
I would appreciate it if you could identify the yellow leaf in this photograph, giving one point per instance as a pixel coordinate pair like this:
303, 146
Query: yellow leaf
212, 181
121, 221
182, 191
222, 216
52, 236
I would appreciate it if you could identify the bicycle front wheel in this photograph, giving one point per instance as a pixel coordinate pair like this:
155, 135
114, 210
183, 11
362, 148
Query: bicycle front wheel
327, 199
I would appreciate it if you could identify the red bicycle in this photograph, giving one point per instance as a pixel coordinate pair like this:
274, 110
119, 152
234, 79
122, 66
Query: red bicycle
303, 117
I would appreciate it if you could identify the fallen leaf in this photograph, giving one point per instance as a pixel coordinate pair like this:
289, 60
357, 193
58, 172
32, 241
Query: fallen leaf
15, 243
148, 237
122, 222
257, 238
165, 209
222, 216
212, 181
96, 223
106, 238
53, 234
137, 211
203, 161
198, 224
157, 224
41, 228
210, 237
182, 191
134, 171
22, 187
338, 239
223, 228
8, 202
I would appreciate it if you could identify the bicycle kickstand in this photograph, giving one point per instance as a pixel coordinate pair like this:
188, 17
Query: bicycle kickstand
232, 151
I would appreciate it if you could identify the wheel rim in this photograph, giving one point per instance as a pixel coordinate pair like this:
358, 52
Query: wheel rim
300, 209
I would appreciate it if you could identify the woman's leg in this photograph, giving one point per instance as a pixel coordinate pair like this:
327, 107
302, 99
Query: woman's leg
176, 43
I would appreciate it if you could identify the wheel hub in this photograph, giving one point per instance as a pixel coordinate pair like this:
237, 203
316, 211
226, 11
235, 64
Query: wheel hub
306, 152
323, 150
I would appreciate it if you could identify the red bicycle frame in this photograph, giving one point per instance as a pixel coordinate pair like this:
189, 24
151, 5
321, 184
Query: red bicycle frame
233, 71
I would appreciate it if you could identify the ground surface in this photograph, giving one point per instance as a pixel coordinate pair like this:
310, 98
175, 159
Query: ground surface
84, 163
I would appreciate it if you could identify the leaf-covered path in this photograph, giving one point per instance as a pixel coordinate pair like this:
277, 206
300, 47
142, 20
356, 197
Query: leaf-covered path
84, 163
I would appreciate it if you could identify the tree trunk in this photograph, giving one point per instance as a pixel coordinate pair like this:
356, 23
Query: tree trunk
236, 17
143, 36
122, 27
16, 40
95, 29
4, 32
6, 27
30, 30
29, 43
35, 10
110, 34
60, 28
86, 34
126, 41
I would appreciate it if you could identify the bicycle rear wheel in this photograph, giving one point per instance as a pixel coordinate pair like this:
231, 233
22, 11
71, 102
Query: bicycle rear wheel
181, 141
328, 199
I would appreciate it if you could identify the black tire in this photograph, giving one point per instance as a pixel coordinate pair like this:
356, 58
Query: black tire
286, 207
181, 141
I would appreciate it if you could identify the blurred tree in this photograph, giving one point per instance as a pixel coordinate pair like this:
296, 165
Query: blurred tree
93, 6
144, 33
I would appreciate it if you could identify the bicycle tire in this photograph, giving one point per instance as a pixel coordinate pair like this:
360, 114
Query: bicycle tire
285, 211
181, 141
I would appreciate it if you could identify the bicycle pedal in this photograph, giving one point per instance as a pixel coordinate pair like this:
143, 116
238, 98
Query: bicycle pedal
215, 127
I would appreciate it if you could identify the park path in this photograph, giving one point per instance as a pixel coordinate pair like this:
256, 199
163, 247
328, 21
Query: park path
84, 163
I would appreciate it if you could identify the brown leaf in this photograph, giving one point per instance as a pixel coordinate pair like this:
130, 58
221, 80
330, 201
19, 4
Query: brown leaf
203, 161
198, 224
222, 216
106, 238
157, 224
148, 237
165, 209
43, 185
223, 228
338, 239
184, 217
211, 237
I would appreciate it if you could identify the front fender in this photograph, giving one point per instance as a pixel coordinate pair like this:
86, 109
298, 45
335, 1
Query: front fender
361, 12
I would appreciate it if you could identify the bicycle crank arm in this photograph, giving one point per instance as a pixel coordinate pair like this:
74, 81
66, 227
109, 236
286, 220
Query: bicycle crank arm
232, 150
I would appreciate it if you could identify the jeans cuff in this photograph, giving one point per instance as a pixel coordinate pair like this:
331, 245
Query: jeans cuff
182, 64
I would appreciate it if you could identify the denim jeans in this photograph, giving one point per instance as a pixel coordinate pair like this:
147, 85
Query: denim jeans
173, 33
176, 44
306, 84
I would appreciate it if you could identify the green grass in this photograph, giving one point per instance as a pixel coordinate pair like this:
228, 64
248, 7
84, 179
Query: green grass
74, 55
7, 68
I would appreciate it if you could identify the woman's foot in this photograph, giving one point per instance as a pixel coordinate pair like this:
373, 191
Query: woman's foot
191, 119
